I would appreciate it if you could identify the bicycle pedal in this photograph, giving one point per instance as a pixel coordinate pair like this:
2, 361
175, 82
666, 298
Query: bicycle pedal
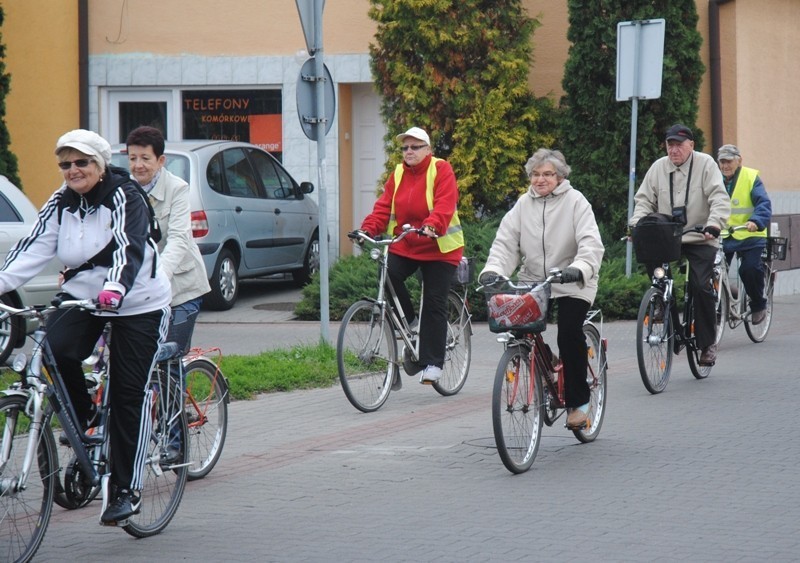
119, 524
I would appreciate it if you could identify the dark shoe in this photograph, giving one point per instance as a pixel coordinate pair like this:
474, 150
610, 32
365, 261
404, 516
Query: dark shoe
125, 504
92, 422
709, 356
170, 455
658, 312
758, 317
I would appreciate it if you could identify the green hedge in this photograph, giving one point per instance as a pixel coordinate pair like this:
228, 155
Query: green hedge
354, 277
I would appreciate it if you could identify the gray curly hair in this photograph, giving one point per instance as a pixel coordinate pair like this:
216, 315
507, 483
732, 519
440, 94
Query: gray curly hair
544, 156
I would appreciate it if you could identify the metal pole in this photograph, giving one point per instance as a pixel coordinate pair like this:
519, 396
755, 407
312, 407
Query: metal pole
319, 71
632, 157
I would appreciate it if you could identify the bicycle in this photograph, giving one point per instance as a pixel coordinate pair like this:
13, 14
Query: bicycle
206, 406
528, 385
366, 348
28, 459
733, 303
660, 329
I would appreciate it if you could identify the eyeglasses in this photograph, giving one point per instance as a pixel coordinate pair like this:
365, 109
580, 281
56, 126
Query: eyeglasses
405, 148
545, 175
80, 163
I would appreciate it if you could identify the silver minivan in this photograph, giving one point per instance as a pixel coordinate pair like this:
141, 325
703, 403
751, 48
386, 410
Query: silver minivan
250, 218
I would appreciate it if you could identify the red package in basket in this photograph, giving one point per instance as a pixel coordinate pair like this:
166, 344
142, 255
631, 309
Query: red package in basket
514, 310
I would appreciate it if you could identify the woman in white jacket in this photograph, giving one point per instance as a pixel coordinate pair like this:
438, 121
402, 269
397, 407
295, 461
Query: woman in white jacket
553, 226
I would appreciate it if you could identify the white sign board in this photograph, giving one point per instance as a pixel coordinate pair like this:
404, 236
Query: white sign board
640, 59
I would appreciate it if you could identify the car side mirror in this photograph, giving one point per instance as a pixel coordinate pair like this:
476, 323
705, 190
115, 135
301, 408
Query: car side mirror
306, 187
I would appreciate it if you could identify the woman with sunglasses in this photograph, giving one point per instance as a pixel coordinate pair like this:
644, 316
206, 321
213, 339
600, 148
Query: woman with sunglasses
422, 192
98, 225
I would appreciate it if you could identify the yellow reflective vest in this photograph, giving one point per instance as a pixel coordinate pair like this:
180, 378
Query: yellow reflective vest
742, 204
454, 238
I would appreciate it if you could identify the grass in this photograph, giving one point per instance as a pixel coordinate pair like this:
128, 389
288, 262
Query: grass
299, 367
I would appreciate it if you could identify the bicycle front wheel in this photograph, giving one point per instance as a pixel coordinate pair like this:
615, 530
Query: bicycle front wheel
458, 350
517, 409
596, 378
654, 335
758, 333
164, 479
206, 407
366, 354
25, 508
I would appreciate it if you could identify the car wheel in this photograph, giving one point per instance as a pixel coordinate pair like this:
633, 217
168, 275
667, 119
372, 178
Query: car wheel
311, 263
10, 330
224, 283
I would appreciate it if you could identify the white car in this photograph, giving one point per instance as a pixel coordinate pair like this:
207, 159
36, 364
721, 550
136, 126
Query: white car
17, 217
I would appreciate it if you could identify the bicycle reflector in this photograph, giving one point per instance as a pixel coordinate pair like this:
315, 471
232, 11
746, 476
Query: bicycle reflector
659, 273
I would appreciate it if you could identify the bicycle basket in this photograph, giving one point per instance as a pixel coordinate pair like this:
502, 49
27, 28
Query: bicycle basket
776, 248
657, 241
519, 309
465, 272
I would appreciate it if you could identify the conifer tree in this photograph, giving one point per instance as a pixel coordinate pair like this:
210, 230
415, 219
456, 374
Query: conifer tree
595, 128
8, 161
459, 70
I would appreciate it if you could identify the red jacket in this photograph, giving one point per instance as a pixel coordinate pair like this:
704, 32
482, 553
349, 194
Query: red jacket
411, 208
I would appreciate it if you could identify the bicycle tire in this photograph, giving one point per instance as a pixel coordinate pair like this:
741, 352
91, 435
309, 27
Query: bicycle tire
163, 484
758, 333
722, 311
458, 350
366, 356
24, 513
206, 408
654, 342
517, 409
596, 378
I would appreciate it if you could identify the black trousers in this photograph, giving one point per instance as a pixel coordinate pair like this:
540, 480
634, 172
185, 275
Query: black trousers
72, 334
701, 269
436, 278
573, 350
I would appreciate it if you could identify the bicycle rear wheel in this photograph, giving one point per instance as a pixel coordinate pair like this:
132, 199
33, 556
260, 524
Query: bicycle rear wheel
517, 409
164, 481
596, 378
722, 312
758, 333
25, 509
654, 337
458, 351
366, 354
206, 407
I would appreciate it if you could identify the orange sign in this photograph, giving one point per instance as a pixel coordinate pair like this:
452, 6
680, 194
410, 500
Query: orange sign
266, 131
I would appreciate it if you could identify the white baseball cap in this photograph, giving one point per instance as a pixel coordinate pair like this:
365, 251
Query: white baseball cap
87, 142
417, 133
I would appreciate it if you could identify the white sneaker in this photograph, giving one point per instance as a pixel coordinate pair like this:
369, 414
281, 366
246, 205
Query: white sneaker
430, 374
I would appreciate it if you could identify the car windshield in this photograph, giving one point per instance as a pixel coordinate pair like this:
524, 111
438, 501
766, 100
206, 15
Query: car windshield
176, 163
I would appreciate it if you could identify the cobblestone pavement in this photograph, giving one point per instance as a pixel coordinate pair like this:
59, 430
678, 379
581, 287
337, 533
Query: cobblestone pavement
705, 471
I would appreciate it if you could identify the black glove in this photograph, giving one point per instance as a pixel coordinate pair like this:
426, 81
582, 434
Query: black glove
571, 275
488, 278
713, 231
356, 235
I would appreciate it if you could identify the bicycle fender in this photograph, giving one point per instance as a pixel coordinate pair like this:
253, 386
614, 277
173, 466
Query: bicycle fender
14, 393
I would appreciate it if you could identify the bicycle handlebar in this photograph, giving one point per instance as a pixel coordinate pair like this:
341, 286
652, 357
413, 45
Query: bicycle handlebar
553, 274
379, 240
34, 311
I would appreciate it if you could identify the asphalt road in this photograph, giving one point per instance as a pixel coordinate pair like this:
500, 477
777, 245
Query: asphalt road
706, 471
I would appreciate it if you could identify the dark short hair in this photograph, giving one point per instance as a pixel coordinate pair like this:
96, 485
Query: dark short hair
146, 136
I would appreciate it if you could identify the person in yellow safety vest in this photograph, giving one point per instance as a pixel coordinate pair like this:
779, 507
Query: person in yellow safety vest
751, 207
422, 193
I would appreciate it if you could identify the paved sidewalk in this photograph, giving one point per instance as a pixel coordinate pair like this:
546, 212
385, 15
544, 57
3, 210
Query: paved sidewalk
705, 471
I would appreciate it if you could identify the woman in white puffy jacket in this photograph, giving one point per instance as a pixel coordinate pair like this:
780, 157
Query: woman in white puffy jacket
553, 226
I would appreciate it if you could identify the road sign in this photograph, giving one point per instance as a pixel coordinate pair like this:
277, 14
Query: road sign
308, 10
307, 99
640, 59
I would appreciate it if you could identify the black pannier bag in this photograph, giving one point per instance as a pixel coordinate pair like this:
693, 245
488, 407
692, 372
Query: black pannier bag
657, 239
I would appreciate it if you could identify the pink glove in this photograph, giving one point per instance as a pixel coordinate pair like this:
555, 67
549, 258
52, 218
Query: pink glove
108, 299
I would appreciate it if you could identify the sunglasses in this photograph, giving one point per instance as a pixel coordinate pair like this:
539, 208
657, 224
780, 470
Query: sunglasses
405, 148
80, 163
